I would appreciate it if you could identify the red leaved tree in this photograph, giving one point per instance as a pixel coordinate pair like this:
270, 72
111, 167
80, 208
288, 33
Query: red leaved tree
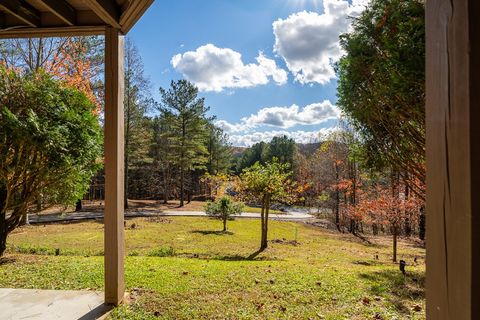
390, 208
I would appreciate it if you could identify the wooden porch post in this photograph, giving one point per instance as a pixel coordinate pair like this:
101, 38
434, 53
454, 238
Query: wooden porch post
453, 159
114, 149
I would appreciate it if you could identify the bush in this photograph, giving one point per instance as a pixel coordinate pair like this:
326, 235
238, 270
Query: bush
50, 144
223, 209
162, 252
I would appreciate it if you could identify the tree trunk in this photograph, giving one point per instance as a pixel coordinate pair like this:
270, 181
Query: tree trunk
165, 186
265, 224
165, 197
125, 188
262, 220
353, 227
337, 199
265, 234
182, 159
3, 235
126, 157
224, 224
394, 244
24, 218
127, 139
421, 224
38, 203
182, 177
408, 226
78, 205
3, 223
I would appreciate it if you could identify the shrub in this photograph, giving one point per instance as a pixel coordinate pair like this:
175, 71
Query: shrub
223, 209
162, 252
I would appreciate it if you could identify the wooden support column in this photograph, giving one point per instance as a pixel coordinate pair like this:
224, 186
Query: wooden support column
114, 150
453, 159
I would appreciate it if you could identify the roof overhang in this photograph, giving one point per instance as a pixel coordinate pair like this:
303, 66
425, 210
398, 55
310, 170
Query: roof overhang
52, 18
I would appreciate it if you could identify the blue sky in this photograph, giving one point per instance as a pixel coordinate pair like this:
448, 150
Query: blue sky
263, 66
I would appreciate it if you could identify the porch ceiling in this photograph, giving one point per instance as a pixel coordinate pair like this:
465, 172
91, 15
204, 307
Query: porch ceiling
24, 18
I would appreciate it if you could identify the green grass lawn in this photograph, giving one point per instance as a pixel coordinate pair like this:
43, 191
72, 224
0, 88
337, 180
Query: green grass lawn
183, 268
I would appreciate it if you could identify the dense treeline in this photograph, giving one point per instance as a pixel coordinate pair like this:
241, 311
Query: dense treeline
169, 144
174, 149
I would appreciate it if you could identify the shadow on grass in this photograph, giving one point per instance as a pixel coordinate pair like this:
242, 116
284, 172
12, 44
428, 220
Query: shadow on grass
217, 233
235, 257
251, 257
6, 260
400, 290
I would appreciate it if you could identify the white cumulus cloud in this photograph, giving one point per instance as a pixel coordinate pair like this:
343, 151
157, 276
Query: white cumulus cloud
309, 42
284, 117
247, 140
214, 69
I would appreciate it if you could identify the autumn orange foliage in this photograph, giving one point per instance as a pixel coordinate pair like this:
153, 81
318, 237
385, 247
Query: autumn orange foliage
71, 66
379, 204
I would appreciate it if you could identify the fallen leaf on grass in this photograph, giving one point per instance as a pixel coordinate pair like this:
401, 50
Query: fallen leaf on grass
377, 316
417, 308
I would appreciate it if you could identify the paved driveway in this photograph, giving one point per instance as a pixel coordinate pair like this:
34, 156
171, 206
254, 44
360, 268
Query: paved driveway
78, 216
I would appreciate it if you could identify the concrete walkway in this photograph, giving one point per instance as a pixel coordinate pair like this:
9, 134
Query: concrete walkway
79, 216
16, 304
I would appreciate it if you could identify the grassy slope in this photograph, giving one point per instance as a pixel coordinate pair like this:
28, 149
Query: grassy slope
208, 275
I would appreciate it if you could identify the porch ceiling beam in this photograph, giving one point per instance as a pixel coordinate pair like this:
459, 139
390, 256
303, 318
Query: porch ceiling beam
62, 10
22, 11
12, 33
107, 10
132, 13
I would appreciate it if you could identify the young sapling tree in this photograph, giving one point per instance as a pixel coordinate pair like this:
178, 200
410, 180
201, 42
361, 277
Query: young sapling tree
223, 208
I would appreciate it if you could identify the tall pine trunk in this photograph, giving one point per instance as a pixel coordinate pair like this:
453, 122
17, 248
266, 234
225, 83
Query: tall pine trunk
166, 184
126, 145
182, 191
125, 179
